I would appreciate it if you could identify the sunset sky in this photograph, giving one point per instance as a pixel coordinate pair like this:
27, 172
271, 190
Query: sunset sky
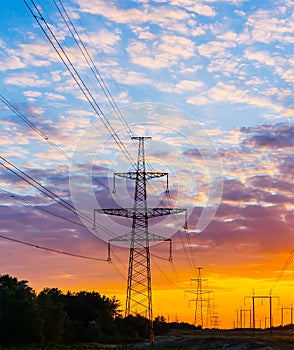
211, 81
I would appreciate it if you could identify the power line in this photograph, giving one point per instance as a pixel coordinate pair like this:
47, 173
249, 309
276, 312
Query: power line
44, 136
33, 126
163, 273
284, 268
15, 196
57, 215
62, 252
78, 19
189, 252
50, 249
72, 28
74, 72
77, 77
27, 178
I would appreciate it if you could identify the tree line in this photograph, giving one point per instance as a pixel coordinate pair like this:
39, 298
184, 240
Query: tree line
52, 317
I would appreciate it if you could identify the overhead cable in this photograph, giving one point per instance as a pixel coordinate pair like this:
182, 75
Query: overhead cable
27, 178
284, 267
50, 249
77, 77
15, 196
72, 29
45, 137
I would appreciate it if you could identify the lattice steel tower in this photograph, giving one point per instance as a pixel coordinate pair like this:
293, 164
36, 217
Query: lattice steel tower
199, 301
139, 291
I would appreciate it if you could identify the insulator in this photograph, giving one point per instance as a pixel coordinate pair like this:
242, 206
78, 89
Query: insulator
108, 252
186, 221
114, 190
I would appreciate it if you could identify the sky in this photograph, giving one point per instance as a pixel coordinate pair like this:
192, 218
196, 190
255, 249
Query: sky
211, 82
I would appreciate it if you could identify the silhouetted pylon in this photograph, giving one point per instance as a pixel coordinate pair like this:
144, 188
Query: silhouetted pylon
199, 300
139, 291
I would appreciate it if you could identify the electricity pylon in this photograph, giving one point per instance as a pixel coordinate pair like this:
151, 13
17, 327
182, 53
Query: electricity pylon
199, 301
139, 291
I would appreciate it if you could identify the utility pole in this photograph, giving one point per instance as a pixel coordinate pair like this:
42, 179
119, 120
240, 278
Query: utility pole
253, 297
139, 290
243, 317
244, 314
282, 314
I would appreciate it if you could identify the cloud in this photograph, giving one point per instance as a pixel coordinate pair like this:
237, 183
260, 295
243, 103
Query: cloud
263, 57
110, 11
241, 38
101, 39
169, 50
30, 93
270, 137
214, 48
131, 77
200, 8
186, 85
266, 27
229, 93
25, 79
228, 67
271, 184
25, 55
158, 14
11, 62
254, 224
52, 96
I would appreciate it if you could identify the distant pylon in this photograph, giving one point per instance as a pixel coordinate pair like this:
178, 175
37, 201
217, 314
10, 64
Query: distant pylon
199, 301
215, 322
139, 291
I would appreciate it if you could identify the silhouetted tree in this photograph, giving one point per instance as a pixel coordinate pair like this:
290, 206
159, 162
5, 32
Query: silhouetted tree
19, 321
91, 315
160, 319
137, 327
52, 317
51, 305
160, 325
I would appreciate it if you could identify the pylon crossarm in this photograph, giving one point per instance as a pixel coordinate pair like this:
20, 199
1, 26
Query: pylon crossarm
156, 238
132, 175
123, 238
125, 212
155, 212
129, 175
155, 174
151, 212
